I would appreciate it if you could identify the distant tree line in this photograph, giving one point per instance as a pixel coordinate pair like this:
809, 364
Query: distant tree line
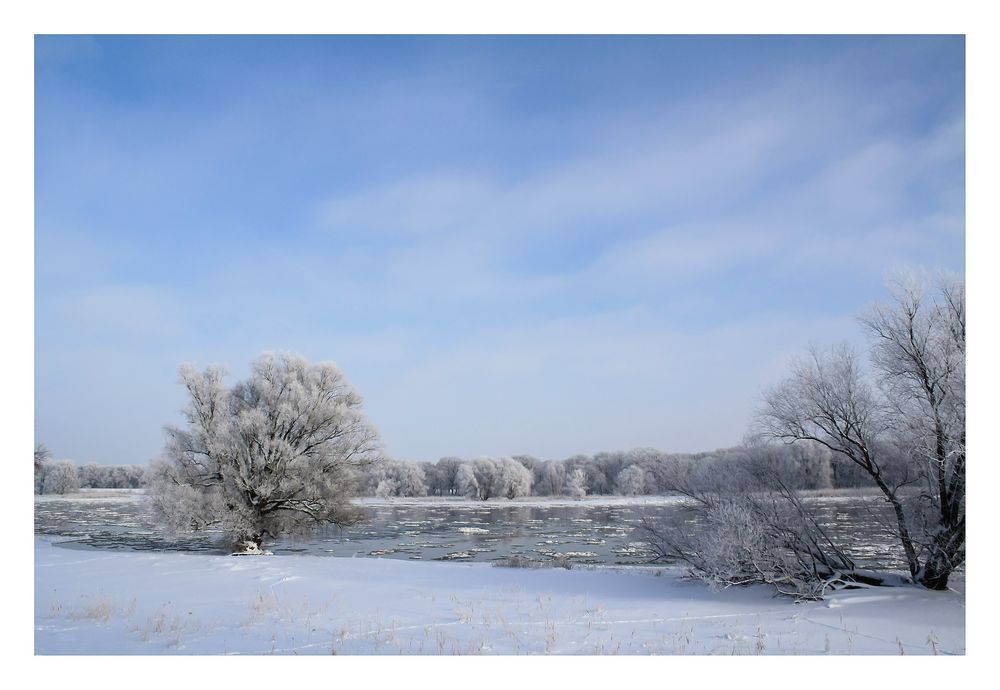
637, 472
65, 476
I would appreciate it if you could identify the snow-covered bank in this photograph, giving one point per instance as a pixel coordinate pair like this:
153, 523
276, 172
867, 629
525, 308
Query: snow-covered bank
95, 494
527, 501
595, 500
99, 602
549, 501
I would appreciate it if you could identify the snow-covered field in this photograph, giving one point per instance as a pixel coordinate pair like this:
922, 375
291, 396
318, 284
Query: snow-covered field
101, 602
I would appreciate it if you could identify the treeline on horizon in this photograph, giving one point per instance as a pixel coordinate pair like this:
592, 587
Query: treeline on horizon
65, 476
637, 472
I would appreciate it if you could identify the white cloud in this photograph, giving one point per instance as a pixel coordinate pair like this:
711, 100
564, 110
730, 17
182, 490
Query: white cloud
786, 175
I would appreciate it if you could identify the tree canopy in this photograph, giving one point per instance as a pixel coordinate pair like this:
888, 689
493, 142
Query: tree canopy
272, 455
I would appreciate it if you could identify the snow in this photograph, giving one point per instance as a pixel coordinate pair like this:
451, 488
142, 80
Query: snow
546, 501
112, 495
111, 602
134, 495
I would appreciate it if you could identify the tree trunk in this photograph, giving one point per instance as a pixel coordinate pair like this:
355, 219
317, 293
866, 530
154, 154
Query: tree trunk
948, 553
932, 578
249, 544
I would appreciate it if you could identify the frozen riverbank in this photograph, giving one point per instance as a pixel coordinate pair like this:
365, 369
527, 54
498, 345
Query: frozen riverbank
93, 602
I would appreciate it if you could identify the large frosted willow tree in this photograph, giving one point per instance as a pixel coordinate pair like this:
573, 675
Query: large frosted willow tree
905, 426
272, 455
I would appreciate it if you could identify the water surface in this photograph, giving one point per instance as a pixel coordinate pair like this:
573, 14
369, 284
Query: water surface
595, 531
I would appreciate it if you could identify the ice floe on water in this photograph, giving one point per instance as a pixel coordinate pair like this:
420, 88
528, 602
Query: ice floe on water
456, 556
433, 527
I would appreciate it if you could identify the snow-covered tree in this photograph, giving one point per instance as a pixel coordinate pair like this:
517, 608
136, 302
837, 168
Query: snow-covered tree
42, 456
602, 471
61, 478
119, 477
512, 479
919, 356
434, 479
396, 478
466, 482
448, 467
898, 423
904, 427
576, 485
486, 471
536, 467
549, 478
386, 487
631, 481
89, 475
812, 463
271, 455
136, 476
746, 526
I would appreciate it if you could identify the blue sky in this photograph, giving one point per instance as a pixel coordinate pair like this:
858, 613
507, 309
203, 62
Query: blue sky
545, 245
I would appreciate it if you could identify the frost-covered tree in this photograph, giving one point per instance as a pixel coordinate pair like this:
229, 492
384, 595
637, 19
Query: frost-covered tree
113, 476
576, 484
904, 427
813, 463
535, 466
745, 525
465, 480
61, 478
602, 471
413, 480
136, 476
485, 478
631, 481
272, 455
448, 468
42, 456
895, 421
386, 487
513, 479
486, 472
549, 479
433, 479
919, 356
396, 478
90, 475
119, 477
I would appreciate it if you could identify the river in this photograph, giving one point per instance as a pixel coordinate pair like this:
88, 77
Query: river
596, 530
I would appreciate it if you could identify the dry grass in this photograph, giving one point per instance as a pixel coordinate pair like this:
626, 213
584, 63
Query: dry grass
264, 605
99, 608
161, 623
516, 561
